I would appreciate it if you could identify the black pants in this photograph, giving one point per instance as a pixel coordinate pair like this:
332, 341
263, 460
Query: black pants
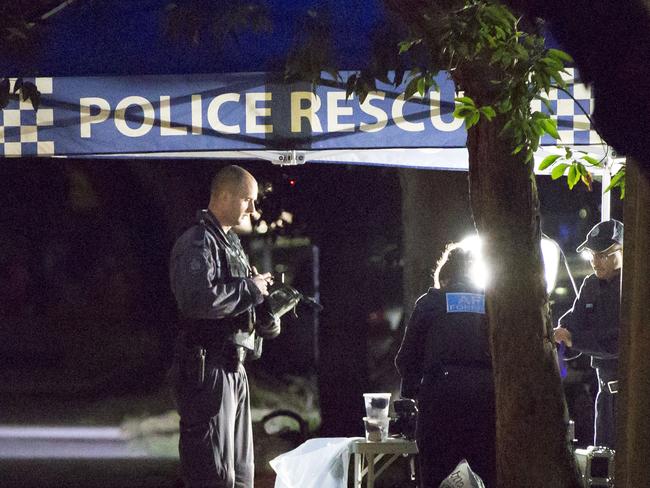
456, 421
216, 438
605, 422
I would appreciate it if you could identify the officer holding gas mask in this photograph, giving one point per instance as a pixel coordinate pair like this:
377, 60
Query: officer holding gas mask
224, 315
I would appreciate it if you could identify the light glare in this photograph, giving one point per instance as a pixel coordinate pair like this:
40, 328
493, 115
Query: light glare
551, 258
479, 272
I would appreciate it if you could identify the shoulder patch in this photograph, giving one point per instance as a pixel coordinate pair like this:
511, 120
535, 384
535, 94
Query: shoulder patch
196, 265
465, 302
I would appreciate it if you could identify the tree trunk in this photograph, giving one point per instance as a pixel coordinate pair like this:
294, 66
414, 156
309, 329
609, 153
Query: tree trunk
634, 345
533, 449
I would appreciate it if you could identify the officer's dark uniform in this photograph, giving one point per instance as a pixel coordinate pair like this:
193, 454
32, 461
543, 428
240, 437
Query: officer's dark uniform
594, 323
444, 363
216, 296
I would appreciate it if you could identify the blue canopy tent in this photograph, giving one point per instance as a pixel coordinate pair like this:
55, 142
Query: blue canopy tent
115, 85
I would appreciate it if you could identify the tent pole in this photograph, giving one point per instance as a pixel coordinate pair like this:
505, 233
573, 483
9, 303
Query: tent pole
605, 197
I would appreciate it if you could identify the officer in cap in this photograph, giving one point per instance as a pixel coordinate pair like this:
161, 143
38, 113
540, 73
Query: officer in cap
591, 325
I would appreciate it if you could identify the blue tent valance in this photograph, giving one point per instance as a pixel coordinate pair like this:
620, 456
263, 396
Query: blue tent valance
256, 115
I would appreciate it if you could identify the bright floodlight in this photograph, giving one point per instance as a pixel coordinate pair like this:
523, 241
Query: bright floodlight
479, 272
551, 258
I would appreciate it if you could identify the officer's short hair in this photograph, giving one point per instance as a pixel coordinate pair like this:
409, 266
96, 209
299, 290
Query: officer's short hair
227, 178
453, 266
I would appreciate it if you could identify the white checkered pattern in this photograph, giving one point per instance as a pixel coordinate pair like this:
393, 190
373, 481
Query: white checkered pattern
573, 125
19, 124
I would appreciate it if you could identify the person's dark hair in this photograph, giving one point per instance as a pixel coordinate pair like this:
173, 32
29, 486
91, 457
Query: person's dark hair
227, 178
454, 265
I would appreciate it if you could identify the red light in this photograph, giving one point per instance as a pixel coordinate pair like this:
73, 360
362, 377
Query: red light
292, 182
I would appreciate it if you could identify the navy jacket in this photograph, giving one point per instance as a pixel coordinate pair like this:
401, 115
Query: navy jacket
211, 280
448, 327
594, 321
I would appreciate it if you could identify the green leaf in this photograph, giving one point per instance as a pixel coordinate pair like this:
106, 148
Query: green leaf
504, 105
573, 177
561, 55
558, 79
617, 180
548, 161
559, 170
472, 119
538, 128
463, 112
465, 101
422, 86
592, 161
406, 45
529, 157
550, 127
488, 111
553, 63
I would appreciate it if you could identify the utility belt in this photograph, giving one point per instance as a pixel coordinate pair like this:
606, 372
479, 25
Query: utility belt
610, 387
199, 349
196, 361
607, 380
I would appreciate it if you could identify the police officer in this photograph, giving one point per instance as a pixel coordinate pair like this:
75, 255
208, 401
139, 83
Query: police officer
221, 303
591, 325
444, 363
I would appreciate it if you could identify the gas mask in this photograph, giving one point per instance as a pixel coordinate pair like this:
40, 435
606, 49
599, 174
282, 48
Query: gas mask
284, 298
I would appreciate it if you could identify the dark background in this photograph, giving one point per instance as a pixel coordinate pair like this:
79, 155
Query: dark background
85, 306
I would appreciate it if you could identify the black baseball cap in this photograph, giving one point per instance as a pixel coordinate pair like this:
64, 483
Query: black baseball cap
602, 236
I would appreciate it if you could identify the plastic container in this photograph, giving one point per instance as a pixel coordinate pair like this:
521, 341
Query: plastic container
377, 405
376, 429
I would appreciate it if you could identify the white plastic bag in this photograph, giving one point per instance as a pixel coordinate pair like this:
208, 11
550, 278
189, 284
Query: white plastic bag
316, 463
462, 477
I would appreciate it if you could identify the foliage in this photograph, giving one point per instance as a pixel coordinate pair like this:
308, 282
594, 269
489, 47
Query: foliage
467, 39
574, 164
487, 34
523, 71
25, 90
